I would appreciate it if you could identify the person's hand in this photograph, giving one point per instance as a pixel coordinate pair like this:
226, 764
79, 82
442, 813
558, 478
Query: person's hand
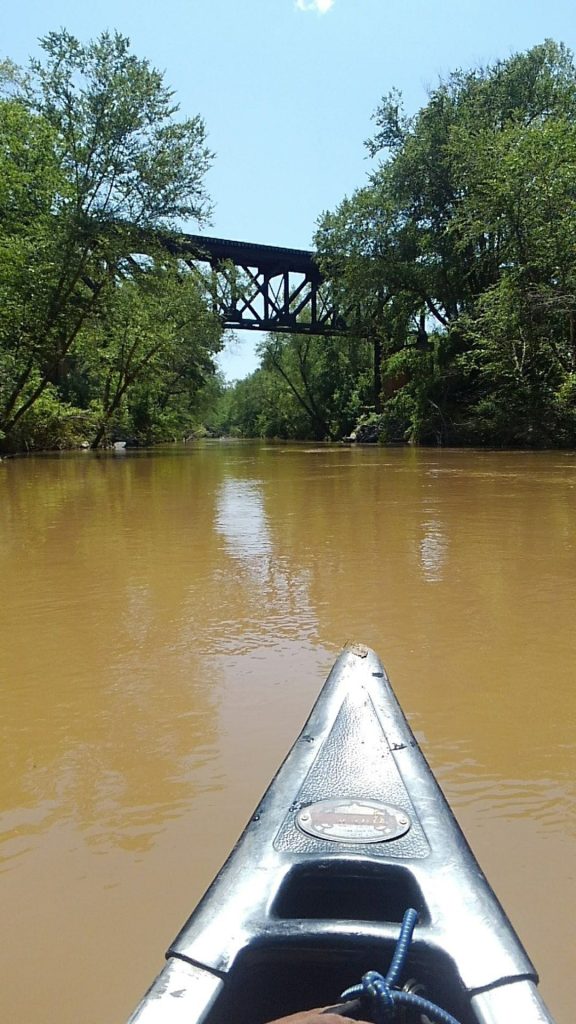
317, 1017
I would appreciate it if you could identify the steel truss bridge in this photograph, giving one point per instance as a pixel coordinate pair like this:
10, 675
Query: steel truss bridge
261, 287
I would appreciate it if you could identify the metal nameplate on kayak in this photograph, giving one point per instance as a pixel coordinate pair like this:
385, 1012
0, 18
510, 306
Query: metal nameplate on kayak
353, 821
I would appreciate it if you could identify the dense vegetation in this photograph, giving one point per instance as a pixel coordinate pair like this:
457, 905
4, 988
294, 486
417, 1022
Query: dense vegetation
100, 332
456, 262
305, 387
459, 256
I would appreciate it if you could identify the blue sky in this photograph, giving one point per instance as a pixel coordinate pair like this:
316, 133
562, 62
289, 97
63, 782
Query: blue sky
288, 87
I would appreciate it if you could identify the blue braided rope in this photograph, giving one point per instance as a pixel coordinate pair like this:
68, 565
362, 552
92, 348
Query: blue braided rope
380, 992
409, 922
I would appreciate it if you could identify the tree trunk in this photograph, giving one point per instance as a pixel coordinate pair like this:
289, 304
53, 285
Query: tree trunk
377, 373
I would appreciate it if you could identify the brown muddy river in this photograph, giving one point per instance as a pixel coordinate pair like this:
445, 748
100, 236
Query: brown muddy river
166, 621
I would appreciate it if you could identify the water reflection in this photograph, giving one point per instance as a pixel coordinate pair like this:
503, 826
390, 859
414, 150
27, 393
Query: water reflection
241, 519
433, 551
91, 676
268, 594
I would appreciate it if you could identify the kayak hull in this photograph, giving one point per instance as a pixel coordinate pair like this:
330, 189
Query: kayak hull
353, 830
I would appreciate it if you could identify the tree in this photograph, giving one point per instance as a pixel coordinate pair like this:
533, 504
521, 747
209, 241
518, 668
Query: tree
523, 332
312, 387
469, 212
121, 165
31, 184
153, 338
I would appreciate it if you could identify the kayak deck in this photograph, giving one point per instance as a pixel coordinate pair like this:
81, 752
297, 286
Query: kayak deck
352, 831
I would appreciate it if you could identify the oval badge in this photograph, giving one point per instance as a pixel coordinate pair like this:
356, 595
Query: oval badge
353, 821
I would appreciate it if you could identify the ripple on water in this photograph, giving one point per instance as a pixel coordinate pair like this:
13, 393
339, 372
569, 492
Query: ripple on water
548, 801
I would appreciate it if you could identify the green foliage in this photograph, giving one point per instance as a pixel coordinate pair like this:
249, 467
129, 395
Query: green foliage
93, 160
307, 387
469, 223
262, 405
455, 265
127, 156
53, 424
148, 352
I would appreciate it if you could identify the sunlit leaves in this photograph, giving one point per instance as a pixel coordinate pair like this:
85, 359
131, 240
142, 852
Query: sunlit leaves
93, 158
469, 221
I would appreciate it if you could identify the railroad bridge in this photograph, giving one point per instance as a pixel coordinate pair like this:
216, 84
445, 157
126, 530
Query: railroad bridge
262, 287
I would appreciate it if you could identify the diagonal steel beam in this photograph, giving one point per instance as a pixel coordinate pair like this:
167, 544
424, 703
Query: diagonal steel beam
263, 287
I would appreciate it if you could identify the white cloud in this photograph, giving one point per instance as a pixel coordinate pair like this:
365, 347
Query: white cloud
321, 6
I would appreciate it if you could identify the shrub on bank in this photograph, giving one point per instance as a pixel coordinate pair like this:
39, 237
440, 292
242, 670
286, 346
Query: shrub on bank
51, 424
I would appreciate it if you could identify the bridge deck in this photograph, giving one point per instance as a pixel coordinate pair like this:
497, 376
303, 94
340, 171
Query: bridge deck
250, 254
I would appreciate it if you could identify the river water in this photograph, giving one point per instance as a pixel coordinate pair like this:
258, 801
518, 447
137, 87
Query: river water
166, 621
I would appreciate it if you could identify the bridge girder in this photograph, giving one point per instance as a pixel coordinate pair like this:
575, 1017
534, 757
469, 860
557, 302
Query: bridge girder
262, 287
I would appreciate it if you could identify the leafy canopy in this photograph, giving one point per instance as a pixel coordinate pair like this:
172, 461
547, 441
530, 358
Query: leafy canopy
94, 160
